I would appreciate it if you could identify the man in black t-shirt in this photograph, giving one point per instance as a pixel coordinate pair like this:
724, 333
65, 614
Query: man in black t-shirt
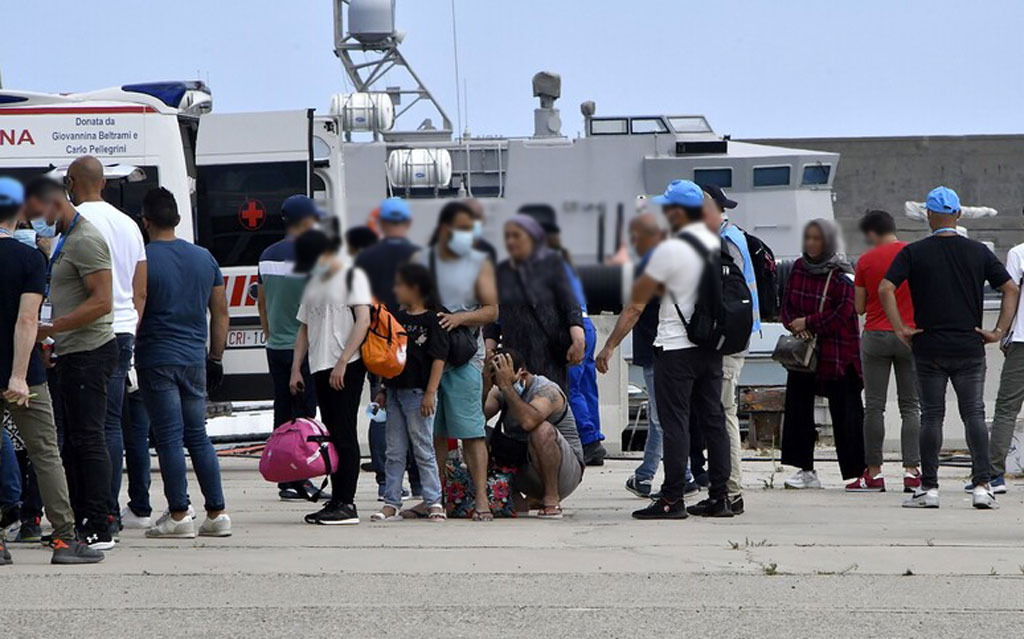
23, 389
947, 275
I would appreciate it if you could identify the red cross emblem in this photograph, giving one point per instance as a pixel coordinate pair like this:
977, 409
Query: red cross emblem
252, 215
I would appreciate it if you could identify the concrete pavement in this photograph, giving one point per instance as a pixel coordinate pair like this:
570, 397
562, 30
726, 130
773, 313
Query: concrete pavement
800, 564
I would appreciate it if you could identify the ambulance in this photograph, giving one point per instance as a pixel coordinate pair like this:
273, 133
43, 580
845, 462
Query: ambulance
228, 172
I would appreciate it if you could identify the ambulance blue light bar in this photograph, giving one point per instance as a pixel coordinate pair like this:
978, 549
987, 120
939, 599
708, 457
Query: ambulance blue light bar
170, 93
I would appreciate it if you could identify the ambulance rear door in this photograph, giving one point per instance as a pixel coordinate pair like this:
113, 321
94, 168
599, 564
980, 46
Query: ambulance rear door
247, 164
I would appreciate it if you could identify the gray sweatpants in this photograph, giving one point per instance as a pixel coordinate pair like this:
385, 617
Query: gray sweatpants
881, 352
1008, 404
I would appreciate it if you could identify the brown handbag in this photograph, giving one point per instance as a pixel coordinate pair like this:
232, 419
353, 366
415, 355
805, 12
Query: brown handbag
796, 354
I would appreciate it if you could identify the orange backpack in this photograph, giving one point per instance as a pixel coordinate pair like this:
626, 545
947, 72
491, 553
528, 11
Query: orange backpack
384, 349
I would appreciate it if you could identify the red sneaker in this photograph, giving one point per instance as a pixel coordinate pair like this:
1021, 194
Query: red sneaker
911, 482
866, 484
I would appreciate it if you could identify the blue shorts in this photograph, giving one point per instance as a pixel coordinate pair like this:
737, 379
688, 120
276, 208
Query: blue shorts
460, 410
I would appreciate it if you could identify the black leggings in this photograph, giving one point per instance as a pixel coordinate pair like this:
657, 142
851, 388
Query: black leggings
844, 403
339, 411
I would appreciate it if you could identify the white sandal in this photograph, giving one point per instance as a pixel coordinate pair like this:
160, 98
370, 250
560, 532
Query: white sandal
436, 513
384, 516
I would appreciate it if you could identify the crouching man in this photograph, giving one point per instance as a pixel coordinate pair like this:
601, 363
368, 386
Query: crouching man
536, 414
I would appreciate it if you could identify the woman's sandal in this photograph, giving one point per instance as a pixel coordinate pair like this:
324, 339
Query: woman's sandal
481, 515
436, 513
550, 512
385, 515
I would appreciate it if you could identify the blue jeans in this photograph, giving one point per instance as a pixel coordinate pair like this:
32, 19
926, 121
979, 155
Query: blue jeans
653, 447
176, 400
112, 424
583, 399
10, 473
135, 425
407, 427
968, 378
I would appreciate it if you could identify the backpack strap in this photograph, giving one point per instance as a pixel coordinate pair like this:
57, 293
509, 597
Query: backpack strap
705, 254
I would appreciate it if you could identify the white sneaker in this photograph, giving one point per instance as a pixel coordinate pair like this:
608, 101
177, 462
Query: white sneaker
923, 499
804, 479
983, 498
220, 526
167, 528
164, 516
130, 520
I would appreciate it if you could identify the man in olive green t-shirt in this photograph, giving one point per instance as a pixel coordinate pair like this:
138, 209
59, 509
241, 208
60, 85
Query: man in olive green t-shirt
80, 294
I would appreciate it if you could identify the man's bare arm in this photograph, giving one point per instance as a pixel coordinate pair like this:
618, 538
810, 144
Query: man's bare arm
531, 415
139, 288
643, 290
218, 322
860, 299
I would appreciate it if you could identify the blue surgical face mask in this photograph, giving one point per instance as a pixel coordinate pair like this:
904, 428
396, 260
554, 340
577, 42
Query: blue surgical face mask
43, 229
519, 387
26, 237
461, 242
478, 229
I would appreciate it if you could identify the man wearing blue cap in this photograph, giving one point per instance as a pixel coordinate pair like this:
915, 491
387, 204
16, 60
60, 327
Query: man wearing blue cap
280, 290
380, 262
946, 273
687, 378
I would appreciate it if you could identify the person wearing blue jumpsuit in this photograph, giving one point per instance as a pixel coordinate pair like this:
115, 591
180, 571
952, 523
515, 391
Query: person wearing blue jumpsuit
583, 398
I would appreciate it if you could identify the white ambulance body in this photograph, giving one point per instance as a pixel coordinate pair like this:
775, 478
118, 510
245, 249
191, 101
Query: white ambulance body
228, 172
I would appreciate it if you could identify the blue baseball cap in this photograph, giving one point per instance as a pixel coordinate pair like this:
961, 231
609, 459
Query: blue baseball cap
12, 193
298, 207
943, 200
395, 210
681, 193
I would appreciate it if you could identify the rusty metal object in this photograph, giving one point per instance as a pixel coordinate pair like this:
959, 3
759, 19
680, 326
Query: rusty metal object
765, 406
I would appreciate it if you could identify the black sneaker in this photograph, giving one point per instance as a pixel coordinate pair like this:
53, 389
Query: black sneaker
702, 480
5, 555
662, 509
75, 552
98, 539
711, 508
333, 514
367, 467
10, 518
594, 454
303, 491
639, 487
31, 532
691, 489
736, 504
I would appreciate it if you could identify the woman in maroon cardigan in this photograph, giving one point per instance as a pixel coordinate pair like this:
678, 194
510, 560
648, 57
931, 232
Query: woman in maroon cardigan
838, 376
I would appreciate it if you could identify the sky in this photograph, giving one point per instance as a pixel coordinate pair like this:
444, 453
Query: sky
755, 68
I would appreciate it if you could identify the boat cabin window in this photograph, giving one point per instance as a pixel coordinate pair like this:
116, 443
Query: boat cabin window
713, 177
765, 176
647, 125
690, 124
609, 126
816, 174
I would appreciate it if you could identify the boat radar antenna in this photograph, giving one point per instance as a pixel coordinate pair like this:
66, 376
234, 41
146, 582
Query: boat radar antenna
371, 30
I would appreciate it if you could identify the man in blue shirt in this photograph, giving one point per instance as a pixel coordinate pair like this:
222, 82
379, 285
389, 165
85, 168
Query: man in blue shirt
175, 371
280, 290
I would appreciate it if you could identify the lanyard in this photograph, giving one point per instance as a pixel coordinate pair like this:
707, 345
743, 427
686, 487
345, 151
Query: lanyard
6, 232
56, 251
944, 230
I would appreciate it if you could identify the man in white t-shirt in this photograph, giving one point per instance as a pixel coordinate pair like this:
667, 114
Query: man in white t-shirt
1011, 384
85, 182
687, 378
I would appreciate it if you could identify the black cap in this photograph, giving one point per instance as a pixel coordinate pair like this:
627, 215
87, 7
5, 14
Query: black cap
309, 247
719, 196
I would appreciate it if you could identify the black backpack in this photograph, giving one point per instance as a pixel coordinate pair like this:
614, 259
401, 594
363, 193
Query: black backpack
767, 274
722, 318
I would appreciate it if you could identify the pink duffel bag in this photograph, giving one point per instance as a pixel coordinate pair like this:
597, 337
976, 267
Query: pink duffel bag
298, 450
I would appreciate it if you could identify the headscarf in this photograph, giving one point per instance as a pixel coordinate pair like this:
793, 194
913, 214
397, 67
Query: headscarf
832, 257
532, 228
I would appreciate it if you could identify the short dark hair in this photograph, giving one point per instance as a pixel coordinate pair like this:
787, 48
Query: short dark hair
419, 277
360, 237
44, 188
448, 214
693, 213
8, 211
517, 359
878, 222
160, 208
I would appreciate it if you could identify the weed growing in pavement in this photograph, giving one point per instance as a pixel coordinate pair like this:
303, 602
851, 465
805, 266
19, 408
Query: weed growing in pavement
771, 569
